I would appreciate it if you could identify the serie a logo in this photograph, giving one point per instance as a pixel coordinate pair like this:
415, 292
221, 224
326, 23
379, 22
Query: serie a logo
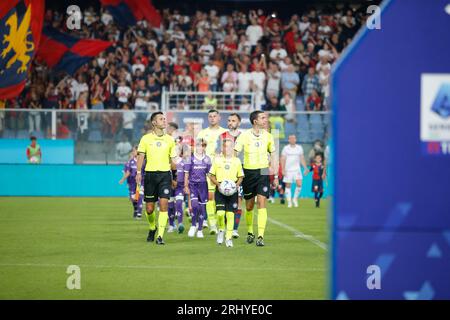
441, 104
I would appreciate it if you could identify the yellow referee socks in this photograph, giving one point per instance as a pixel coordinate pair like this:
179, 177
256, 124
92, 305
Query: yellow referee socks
162, 222
230, 225
262, 220
211, 212
151, 220
221, 219
249, 220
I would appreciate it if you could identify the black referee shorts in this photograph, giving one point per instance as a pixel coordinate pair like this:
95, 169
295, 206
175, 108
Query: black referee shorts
226, 203
157, 184
256, 181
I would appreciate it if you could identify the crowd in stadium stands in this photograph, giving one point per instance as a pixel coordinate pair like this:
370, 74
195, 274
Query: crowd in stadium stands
280, 61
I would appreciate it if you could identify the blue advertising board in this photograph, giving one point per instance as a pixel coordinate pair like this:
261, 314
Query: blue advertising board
391, 208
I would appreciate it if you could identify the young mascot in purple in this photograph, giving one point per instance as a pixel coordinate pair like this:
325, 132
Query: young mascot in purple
129, 173
177, 198
196, 185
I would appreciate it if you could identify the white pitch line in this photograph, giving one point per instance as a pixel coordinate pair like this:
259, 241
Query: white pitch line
299, 234
47, 265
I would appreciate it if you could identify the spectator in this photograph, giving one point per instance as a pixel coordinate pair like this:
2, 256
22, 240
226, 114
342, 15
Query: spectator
206, 50
128, 118
254, 31
244, 45
202, 81
324, 79
62, 131
97, 96
213, 73
273, 80
229, 79
277, 53
304, 24
258, 83
290, 81
123, 93
310, 83
34, 117
123, 149
155, 92
244, 79
313, 102
287, 103
141, 96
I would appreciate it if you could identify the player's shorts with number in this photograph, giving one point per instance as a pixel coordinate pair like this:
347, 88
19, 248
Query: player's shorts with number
292, 176
256, 181
157, 184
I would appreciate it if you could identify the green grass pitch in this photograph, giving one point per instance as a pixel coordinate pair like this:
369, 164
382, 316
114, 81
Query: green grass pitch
41, 237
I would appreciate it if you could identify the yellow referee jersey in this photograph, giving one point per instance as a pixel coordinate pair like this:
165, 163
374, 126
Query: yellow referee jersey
158, 151
211, 136
256, 148
226, 168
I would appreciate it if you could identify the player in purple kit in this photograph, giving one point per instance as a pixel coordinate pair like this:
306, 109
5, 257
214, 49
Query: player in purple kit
195, 184
177, 199
129, 173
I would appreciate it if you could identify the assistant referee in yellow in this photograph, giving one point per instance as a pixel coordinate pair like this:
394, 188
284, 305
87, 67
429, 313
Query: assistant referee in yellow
159, 150
258, 146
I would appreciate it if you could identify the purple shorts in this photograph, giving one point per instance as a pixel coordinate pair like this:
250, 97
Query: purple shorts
199, 191
178, 191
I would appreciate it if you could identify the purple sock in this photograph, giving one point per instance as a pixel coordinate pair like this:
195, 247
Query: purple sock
179, 210
195, 211
202, 214
171, 214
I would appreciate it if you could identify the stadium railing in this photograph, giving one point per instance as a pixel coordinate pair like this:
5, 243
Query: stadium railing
182, 100
100, 135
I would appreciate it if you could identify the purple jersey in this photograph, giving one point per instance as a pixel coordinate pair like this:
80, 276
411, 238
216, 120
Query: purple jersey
131, 166
180, 172
198, 168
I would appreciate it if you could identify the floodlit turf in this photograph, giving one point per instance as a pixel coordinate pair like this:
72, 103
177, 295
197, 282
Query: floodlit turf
41, 237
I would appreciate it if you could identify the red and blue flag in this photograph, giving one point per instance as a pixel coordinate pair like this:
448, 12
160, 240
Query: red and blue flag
63, 52
20, 30
129, 12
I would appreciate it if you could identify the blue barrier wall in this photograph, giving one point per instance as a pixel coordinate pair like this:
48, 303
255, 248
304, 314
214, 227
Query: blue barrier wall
53, 151
61, 180
78, 181
391, 202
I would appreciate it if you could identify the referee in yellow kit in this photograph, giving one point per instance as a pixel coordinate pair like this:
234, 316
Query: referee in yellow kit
259, 153
160, 152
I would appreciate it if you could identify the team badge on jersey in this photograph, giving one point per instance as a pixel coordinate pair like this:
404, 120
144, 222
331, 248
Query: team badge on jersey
227, 167
158, 144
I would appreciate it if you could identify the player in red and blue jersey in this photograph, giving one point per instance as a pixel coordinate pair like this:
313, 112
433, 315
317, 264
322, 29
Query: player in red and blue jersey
129, 173
319, 173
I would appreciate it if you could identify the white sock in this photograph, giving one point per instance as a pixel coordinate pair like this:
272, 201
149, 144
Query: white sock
297, 192
287, 194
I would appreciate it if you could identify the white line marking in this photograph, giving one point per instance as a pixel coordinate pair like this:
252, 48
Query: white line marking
299, 234
49, 265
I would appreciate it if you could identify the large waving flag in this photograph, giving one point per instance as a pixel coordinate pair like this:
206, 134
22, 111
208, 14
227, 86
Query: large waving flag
20, 31
63, 52
128, 12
